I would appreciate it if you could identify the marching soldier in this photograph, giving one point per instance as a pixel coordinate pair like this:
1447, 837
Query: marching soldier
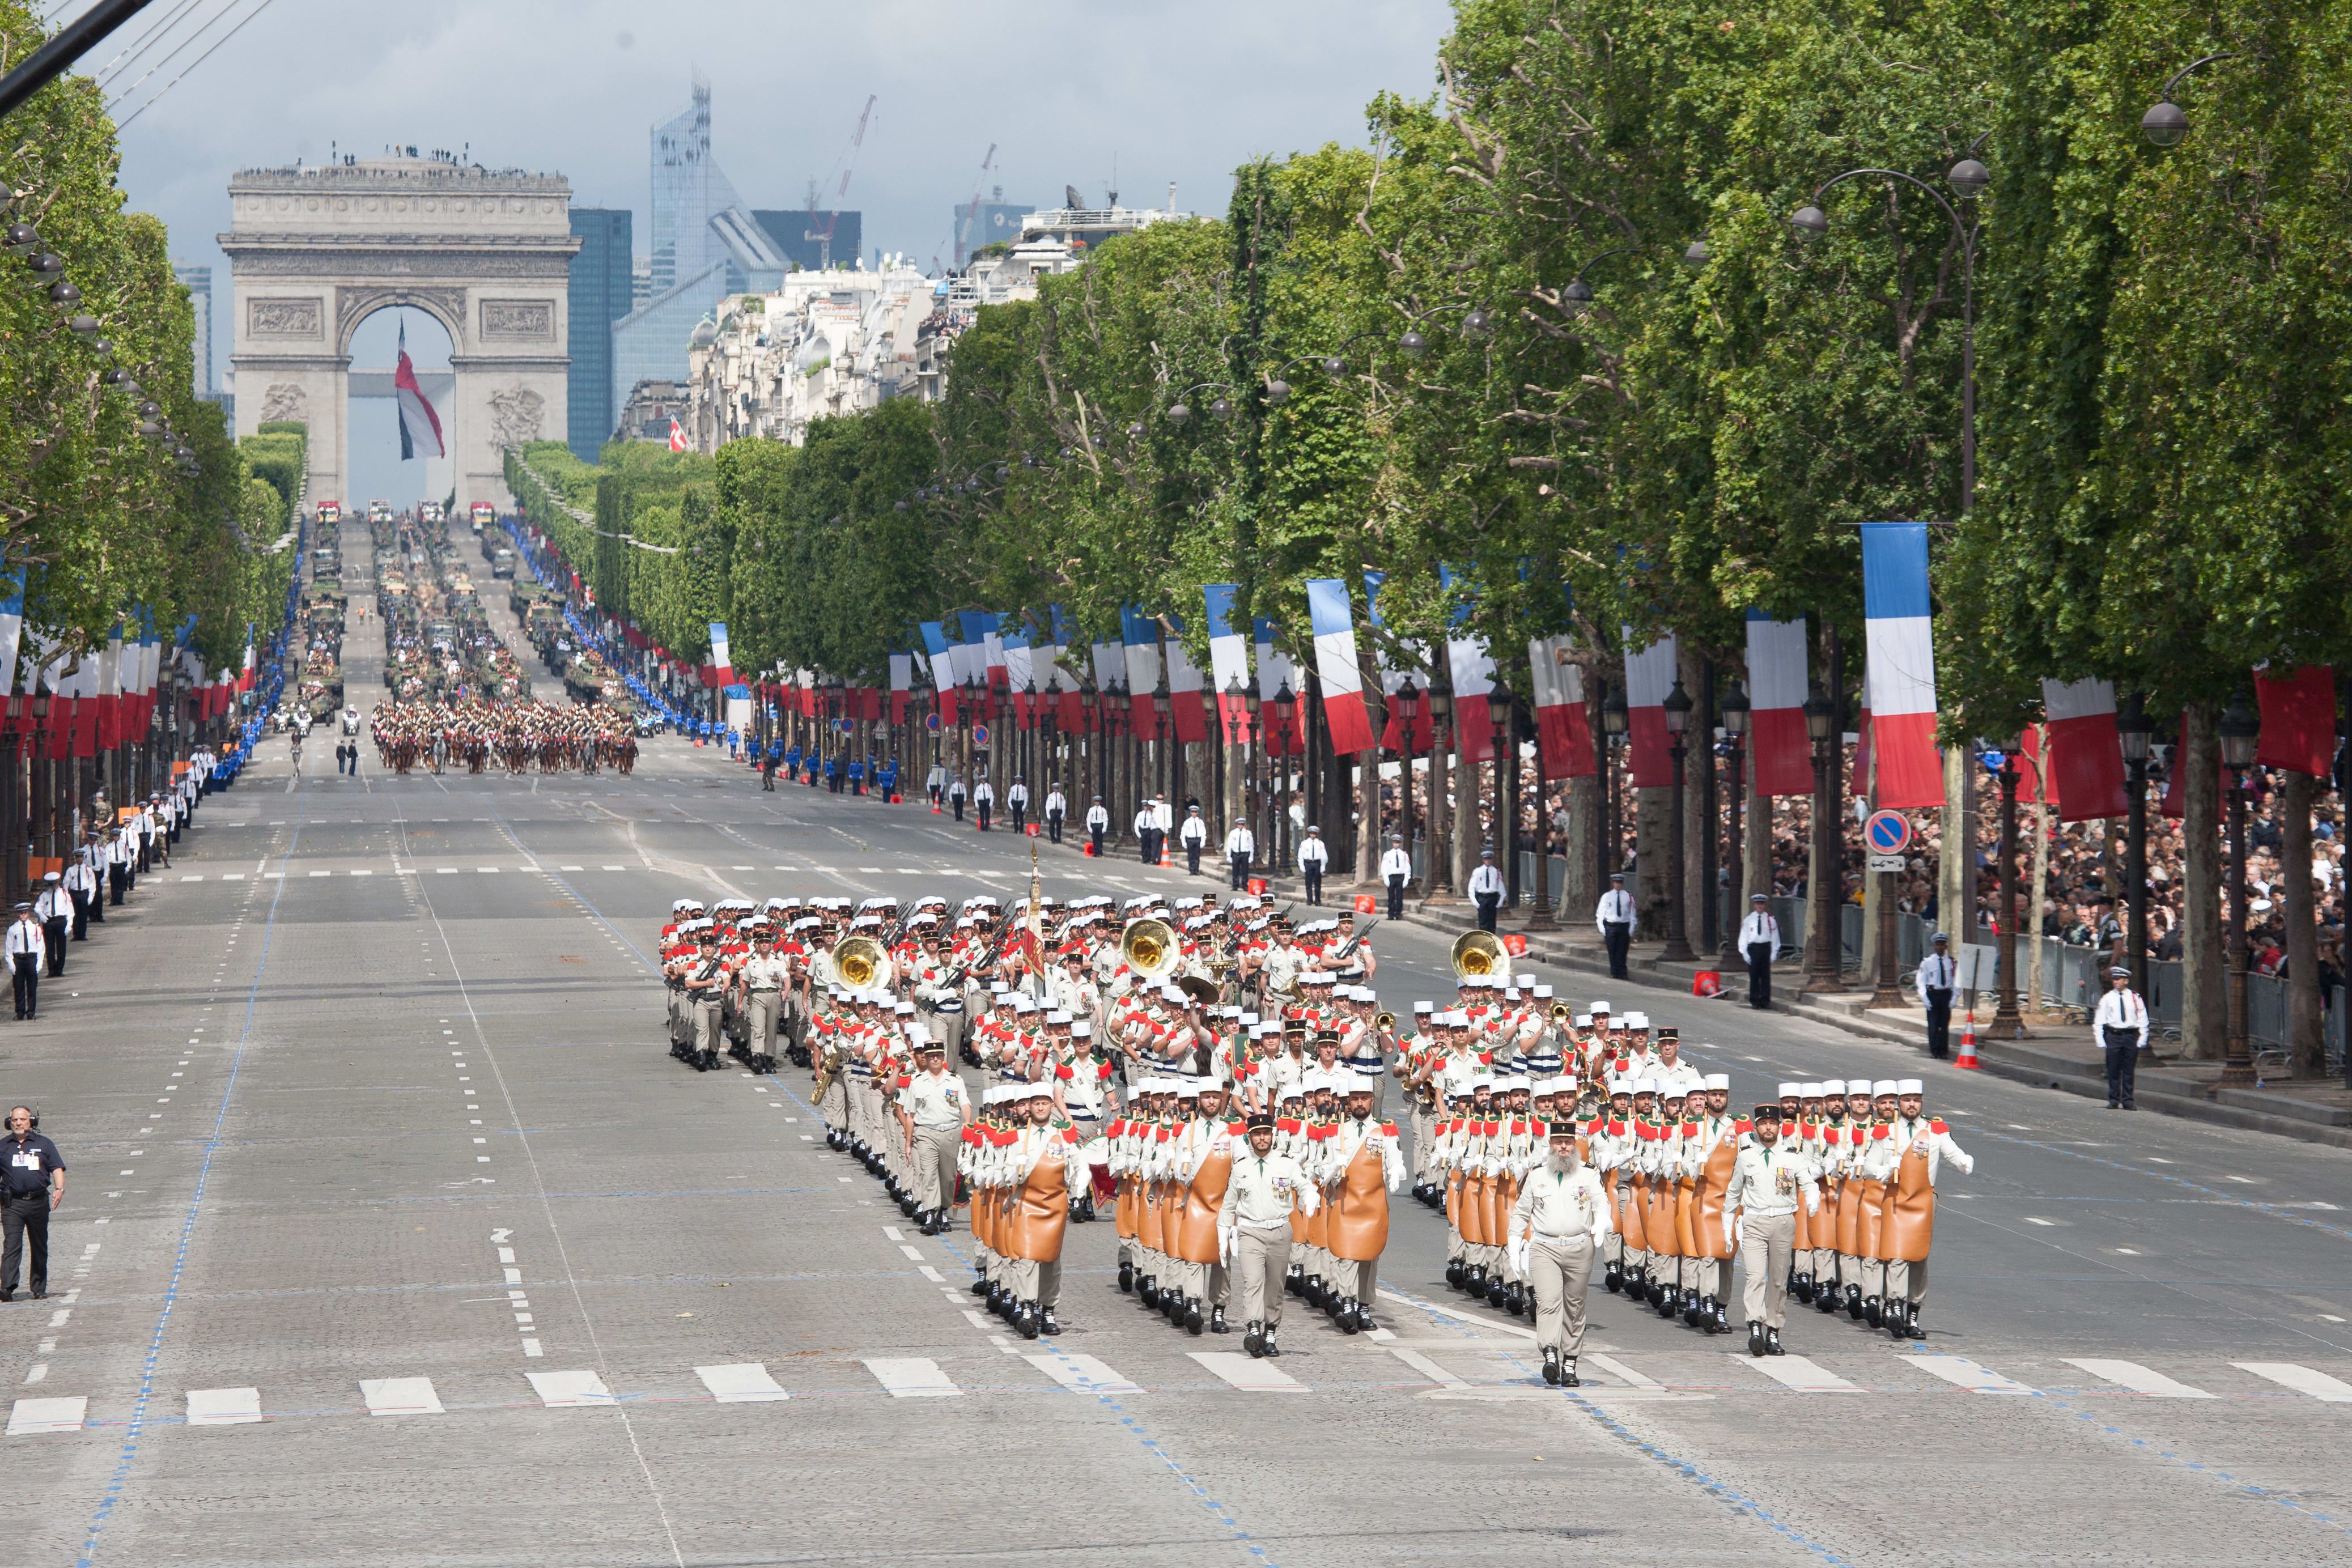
934, 1114
1906, 1159
1557, 1226
1253, 1225
1768, 1184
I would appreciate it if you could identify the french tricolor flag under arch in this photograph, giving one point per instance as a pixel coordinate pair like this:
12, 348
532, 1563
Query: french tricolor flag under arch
1334, 620
1776, 740
1901, 652
420, 427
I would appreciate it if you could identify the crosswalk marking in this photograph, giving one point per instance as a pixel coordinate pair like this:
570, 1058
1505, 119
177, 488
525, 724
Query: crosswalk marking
1257, 1376
232, 876
567, 1390
400, 1397
615, 868
1967, 1373
224, 1406
1427, 1367
488, 870
445, 871
1797, 1371
1081, 1373
28, 1416
743, 1383
911, 1376
2138, 1378
191, 879
568, 868
2302, 1379
1619, 1371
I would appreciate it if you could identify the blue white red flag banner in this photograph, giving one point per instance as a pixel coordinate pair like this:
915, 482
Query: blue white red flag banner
1187, 719
1394, 677
902, 680
1140, 634
942, 661
1777, 743
420, 427
1333, 618
1472, 672
719, 655
991, 642
1228, 659
2299, 712
1563, 732
1275, 677
1902, 669
1019, 670
1071, 713
11, 629
1649, 681
2085, 767
972, 648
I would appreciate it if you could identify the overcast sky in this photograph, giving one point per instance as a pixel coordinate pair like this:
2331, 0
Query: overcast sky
1178, 90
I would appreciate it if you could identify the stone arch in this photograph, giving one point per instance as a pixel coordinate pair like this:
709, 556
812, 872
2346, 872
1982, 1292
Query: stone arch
355, 303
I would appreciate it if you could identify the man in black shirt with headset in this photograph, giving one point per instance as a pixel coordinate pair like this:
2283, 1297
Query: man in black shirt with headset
35, 1177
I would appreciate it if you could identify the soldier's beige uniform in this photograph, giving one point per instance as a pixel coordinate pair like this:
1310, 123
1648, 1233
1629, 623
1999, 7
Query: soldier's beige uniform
764, 977
1765, 1186
936, 1102
1557, 1226
1254, 1230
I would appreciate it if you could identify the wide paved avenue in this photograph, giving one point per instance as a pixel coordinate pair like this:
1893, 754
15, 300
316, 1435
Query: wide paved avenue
395, 1235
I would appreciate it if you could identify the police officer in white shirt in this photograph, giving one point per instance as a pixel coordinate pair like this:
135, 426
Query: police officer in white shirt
27, 945
1760, 940
53, 909
984, 799
1487, 887
1016, 795
1097, 824
1933, 983
2121, 1024
78, 884
1057, 806
1241, 849
1314, 859
1195, 836
1396, 870
1615, 918
958, 795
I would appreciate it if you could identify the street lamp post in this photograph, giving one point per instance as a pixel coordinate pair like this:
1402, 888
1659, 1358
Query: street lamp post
1278, 829
2007, 1020
1438, 883
1677, 949
1616, 719
1539, 918
1504, 818
2134, 729
1159, 709
2240, 729
1408, 699
1823, 969
1735, 710
2165, 125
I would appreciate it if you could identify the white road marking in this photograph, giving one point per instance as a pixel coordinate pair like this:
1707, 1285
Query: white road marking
39, 1373
741, 1383
933, 1275
1241, 1371
570, 1390
1619, 1371
1967, 1373
232, 876
488, 870
533, 1347
911, 1376
2286, 1373
2138, 1378
445, 871
35, 1416
1081, 1373
625, 868
400, 1397
224, 1406
910, 1252
1427, 1367
2031, 1220
322, 873
1796, 1371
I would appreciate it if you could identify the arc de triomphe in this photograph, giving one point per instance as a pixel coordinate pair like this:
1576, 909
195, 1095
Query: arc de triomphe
314, 252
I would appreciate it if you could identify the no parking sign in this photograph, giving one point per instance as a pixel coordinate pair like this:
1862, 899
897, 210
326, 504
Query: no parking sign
1886, 834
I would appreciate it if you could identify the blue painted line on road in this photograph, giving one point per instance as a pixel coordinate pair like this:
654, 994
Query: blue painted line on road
1698, 1477
2263, 1494
212, 1145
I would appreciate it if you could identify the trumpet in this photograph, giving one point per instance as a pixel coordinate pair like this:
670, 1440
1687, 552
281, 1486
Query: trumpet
1478, 954
1561, 1012
1149, 947
862, 963
1383, 1021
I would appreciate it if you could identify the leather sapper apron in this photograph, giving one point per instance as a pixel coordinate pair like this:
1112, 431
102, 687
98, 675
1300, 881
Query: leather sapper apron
1359, 1225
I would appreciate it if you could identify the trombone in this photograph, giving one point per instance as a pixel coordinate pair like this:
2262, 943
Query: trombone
1478, 954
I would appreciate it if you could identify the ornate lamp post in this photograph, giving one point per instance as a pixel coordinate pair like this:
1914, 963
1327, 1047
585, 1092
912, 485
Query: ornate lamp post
2240, 728
1503, 830
1438, 882
1539, 918
1678, 707
2135, 729
1161, 706
2007, 1020
1408, 699
1735, 708
1616, 721
1823, 969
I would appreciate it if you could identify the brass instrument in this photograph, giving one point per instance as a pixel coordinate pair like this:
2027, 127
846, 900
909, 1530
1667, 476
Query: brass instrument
862, 963
1478, 954
1383, 1021
1149, 947
1208, 993
1561, 1012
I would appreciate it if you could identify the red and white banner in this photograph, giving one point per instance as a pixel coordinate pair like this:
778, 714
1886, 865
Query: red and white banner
1473, 673
2085, 766
2298, 715
1649, 681
1186, 718
1333, 616
1777, 744
1562, 731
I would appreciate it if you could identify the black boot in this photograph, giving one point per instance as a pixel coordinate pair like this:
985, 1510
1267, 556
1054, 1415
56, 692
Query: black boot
1254, 1339
1270, 1347
1126, 1278
1478, 1281
1803, 1289
1456, 1273
711, 1061
1217, 1320
1755, 1338
1551, 1365
1149, 1292
1670, 1301
1693, 1309
980, 1285
1350, 1316
1194, 1321
1612, 1279
1854, 1302
1871, 1313
1911, 1328
1047, 1322
1830, 1299
1772, 1342
1722, 1319
1027, 1320
1568, 1378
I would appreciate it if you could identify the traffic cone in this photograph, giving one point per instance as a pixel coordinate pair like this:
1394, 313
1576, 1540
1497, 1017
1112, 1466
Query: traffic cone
1967, 1057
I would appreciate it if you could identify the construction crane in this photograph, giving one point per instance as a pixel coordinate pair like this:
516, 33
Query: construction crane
847, 163
971, 208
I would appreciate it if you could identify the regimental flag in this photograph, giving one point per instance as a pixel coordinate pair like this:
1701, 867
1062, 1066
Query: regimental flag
676, 436
1334, 620
1561, 727
420, 427
1901, 670
1033, 929
2086, 765
1776, 738
1228, 659
1471, 669
1186, 720
1649, 681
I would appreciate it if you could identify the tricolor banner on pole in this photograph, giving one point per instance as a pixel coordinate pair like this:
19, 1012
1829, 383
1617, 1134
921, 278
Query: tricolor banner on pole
1228, 658
420, 427
1111, 668
1333, 618
991, 644
2298, 714
1394, 677
719, 655
972, 646
1902, 669
1020, 673
1275, 677
902, 680
1140, 634
1561, 727
1649, 681
1071, 714
1187, 720
2086, 765
1776, 740
11, 629
943, 674
1471, 670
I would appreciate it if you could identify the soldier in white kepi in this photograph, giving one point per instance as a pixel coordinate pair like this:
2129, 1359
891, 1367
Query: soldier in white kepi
1556, 1230
1760, 1222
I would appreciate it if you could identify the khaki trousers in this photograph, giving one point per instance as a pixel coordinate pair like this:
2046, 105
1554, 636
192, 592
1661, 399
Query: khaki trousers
1908, 1281
766, 1021
1765, 1245
935, 1166
1035, 1280
1261, 1257
706, 1022
1563, 1271
1356, 1279
1708, 1276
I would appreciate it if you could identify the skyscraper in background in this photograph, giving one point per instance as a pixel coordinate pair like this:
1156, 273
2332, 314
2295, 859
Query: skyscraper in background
198, 280
600, 295
705, 246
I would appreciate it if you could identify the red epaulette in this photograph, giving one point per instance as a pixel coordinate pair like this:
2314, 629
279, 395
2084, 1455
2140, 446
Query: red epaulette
1690, 1129
1616, 1129
1935, 1124
1742, 1126
1881, 1131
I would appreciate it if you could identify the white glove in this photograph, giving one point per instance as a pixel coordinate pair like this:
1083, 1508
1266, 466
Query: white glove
1731, 1231
1226, 1252
1519, 1257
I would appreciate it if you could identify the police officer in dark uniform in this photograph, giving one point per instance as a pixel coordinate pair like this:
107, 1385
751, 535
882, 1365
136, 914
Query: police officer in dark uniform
26, 945
53, 910
35, 1176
